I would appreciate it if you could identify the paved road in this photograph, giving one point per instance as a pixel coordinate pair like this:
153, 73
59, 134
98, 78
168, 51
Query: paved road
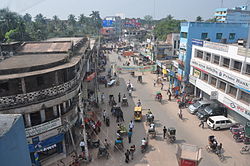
159, 152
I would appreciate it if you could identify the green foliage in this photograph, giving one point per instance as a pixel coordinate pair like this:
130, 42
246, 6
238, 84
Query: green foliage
199, 19
166, 26
14, 27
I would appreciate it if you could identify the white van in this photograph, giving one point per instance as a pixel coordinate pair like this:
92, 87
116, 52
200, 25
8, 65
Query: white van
219, 122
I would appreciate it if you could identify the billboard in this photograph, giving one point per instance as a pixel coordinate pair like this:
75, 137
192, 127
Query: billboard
108, 23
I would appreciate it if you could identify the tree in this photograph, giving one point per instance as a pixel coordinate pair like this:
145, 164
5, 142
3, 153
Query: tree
211, 20
169, 17
96, 20
27, 18
72, 20
199, 19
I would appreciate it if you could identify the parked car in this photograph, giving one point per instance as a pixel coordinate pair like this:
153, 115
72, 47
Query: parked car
219, 122
193, 108
211, 111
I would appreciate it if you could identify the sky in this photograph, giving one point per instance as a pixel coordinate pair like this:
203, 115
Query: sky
180, 9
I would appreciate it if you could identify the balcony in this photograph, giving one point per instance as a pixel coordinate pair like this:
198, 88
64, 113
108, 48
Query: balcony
32, 97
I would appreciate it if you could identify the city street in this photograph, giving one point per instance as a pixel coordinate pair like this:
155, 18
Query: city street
159, 151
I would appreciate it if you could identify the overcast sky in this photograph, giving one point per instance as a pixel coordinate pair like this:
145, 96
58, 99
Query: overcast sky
180, 9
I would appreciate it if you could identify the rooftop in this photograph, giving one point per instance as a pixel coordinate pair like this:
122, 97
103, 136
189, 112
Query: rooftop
45, 47
62, 39
7, 121
31, 61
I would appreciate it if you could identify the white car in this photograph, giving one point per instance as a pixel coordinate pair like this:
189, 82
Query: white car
111, 82
219, 122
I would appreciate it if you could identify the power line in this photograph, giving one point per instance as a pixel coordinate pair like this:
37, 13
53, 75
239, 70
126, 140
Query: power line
31, 6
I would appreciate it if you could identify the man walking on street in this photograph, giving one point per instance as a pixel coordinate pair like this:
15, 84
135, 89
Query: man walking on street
129, 136
132, 151
201, 124
169, 94
154, 83
82, 145
127, 156
162, 86
131, 125
119, 97
164, 132
104, 115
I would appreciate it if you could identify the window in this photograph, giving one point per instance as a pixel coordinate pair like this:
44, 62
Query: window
226, 62
248, 69
183, 34
245, 97
199, 54
237, 66
222, 85
232, 90
218, 36
35, 118
49, 114
4, 87
231, 36
39, 80
205, 77
216, 59
213, 81
204, 35
208, 57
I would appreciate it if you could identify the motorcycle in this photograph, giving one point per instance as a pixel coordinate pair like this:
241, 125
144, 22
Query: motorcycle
144, 148
245, 150
239, 137
103, 152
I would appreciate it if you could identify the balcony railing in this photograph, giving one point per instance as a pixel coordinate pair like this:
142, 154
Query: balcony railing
26, 98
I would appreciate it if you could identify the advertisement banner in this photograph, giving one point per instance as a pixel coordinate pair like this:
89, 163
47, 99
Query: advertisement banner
239, 82
136, 68
197, 42
197, 73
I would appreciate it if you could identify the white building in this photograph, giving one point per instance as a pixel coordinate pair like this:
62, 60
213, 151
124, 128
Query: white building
222, 72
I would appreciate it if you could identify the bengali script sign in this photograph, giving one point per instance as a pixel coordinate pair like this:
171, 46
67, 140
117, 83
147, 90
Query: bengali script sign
136, 68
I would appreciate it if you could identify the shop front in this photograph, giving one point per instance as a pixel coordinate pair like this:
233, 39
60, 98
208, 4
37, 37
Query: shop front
41, 150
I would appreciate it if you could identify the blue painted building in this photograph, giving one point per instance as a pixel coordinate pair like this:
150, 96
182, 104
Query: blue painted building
239, 14
13, 144
215, 32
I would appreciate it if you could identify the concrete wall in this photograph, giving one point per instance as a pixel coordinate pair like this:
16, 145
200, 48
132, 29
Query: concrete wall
13, 146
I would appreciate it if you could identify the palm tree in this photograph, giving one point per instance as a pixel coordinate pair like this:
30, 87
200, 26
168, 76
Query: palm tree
72, 20
96, 20
169, 17
27, 18
199, 19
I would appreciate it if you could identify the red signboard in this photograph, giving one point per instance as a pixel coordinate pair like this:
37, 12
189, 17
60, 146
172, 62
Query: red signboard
91, 76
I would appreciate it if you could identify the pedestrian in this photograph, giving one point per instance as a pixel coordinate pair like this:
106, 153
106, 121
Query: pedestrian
127, 156
130, 136
132, 151
104, 115
102, 97
119, 97
154, 83
121, 116
169, 94
162, 86
82, 145
164, 132
131, 125
106, 84
201, 124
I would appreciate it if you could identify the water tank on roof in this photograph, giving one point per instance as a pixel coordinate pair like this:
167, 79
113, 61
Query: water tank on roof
224, 41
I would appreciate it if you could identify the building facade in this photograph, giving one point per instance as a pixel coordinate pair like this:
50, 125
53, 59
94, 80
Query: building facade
239, 14
221, 72
42, 82
174, 40
13, 145
215, 32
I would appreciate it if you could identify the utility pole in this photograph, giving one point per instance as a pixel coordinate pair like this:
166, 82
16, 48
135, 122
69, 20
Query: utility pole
96, 65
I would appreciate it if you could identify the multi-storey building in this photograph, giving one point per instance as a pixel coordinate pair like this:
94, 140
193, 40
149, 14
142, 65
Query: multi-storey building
222, 72
239, 14
215, 32
13, 141
42, 82
174, 40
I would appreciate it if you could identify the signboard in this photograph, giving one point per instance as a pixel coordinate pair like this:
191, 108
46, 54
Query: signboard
197, 73
137, 68
214, 95
192, 79
216, 46
236, 107
107, 23
197, 42
239, 82
35, 130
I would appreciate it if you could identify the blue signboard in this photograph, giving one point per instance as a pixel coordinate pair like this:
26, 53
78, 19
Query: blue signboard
197, 42
108, 23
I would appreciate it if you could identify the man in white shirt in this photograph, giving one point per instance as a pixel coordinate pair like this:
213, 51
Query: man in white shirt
131, 125
143, 142
82, 145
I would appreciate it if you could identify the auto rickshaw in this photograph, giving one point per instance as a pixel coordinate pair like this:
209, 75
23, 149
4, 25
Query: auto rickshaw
138, 113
